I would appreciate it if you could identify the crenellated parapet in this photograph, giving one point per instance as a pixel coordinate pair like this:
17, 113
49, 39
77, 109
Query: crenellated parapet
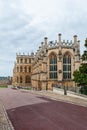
55, 44
58, 44
24, 55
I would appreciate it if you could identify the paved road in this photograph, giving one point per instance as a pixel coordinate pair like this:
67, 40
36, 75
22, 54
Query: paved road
28, 111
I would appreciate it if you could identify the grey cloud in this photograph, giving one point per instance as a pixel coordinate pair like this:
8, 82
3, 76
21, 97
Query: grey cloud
16, 34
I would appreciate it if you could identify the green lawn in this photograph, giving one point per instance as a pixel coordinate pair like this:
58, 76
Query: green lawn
27, 88
3, 86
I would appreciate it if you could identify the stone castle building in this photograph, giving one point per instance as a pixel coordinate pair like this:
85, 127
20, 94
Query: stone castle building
22, 70
53, 64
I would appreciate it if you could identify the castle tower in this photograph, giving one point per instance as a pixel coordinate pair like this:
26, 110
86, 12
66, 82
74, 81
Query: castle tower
77, 52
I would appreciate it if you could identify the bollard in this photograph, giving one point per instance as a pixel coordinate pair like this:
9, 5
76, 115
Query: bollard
65, 91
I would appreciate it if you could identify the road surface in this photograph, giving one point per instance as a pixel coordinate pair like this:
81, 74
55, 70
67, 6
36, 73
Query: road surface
28, 111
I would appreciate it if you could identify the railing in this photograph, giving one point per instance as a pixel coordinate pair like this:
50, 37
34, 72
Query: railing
72, 89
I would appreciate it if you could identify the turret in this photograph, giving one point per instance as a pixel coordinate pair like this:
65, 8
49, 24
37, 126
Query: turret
41, 44
59, 35
45, 40
75, 39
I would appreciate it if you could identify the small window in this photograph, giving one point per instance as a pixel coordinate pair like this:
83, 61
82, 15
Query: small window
17, 79
21, 60
17, 69
17, 60
29, 60
20, 79
25, 69
25, 60
29, 69
21, 69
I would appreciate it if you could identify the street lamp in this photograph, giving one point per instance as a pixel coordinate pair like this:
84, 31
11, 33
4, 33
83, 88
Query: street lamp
65, 90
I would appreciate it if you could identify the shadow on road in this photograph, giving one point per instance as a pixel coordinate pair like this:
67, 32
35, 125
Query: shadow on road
51, 115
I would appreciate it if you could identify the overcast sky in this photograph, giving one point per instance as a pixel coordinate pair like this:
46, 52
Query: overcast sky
25, 23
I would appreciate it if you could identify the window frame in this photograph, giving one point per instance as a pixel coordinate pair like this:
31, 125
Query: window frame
66, 67
53, 67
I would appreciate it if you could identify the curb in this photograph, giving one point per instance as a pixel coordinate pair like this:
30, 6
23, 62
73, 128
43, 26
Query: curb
7, 125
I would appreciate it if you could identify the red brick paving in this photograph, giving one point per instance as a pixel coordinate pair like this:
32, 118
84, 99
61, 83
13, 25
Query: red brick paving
43, 113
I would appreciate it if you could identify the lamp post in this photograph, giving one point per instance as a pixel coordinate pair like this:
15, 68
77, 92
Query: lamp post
65, 90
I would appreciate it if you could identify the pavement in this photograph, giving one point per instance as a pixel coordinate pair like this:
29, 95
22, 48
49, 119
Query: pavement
70, 98
5, 123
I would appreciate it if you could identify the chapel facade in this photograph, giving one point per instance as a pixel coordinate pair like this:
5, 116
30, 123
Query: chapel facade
52, 65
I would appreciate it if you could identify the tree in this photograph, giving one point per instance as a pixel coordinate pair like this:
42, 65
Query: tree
85, 43
84, 56
80, 76
83, 74
76, 75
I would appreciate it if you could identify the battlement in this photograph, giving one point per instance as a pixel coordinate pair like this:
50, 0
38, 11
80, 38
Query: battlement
47, 45
24, 55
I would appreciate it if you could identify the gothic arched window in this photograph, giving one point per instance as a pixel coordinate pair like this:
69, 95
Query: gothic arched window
53, 66
67, 67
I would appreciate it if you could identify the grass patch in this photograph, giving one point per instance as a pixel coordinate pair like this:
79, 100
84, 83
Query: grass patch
3, 86
27, 88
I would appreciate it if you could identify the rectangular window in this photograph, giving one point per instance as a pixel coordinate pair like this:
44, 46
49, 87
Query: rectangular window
21, 60
55, 60
29, 60
67, 75
25, 60
53, 67
69, 67
53, 75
